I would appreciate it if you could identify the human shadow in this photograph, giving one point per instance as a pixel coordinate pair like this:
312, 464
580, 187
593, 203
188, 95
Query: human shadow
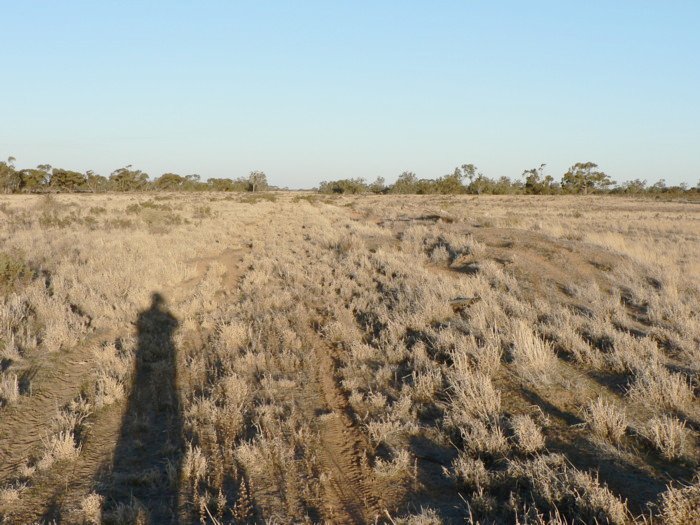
143, 481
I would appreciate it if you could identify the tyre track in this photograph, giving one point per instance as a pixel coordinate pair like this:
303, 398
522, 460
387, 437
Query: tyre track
349, 495
57, 381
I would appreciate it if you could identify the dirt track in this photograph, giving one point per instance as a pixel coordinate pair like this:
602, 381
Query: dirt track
348, 494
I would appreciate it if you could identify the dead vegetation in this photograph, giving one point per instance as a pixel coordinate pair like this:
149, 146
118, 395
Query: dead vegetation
398, 359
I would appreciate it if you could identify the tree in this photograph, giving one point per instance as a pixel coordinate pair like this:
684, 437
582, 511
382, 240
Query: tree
169, 181
67, 180
481, 184
352, 186
378, 186
10, 179
478, 183
583, 177
257, 181
193, 182
126, 179
239, 184
659, 186
406, 183
451, 184
221, 184
634, 186
95, 182
537, 183
32, 179
468, 171
505, 186
425, 187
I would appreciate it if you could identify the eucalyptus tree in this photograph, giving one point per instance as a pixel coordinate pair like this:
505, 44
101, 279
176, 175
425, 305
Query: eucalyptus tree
584, 177
10, 179
257, 181
126, 179
67, 180
537, 183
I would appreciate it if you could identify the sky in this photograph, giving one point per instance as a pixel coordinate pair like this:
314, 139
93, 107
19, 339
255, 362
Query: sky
320, 90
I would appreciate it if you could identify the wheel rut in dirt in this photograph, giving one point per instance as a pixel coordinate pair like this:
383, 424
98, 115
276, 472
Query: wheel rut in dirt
56, 381
348, 489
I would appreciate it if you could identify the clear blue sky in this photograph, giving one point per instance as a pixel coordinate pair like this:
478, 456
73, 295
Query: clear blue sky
308, 91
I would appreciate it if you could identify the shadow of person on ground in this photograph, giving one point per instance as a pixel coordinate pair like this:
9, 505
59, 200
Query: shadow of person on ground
143, 479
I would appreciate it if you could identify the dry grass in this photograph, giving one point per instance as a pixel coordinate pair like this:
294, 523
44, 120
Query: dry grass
530, 353
606, 420
527, 434
9, 389
668, 435
681, 505
354, 359
658, 387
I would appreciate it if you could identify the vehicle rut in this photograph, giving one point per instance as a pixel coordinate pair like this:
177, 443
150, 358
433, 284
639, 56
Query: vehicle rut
349, 495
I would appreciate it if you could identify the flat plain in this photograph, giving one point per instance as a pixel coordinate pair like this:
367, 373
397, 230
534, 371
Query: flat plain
289, 357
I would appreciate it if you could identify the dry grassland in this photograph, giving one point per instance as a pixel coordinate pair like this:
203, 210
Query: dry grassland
292, 358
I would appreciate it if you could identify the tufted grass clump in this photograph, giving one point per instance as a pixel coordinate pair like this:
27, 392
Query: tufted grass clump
13, 272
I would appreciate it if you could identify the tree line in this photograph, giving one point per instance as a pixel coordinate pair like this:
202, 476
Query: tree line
581, 178
45, 178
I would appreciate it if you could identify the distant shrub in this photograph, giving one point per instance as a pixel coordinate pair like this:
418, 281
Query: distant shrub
203, 212
53, 220
137, 207
311, 199
90, 221
161, 221
351, 186
257, 197
13, 271
97, 210
118, 223
155, 206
